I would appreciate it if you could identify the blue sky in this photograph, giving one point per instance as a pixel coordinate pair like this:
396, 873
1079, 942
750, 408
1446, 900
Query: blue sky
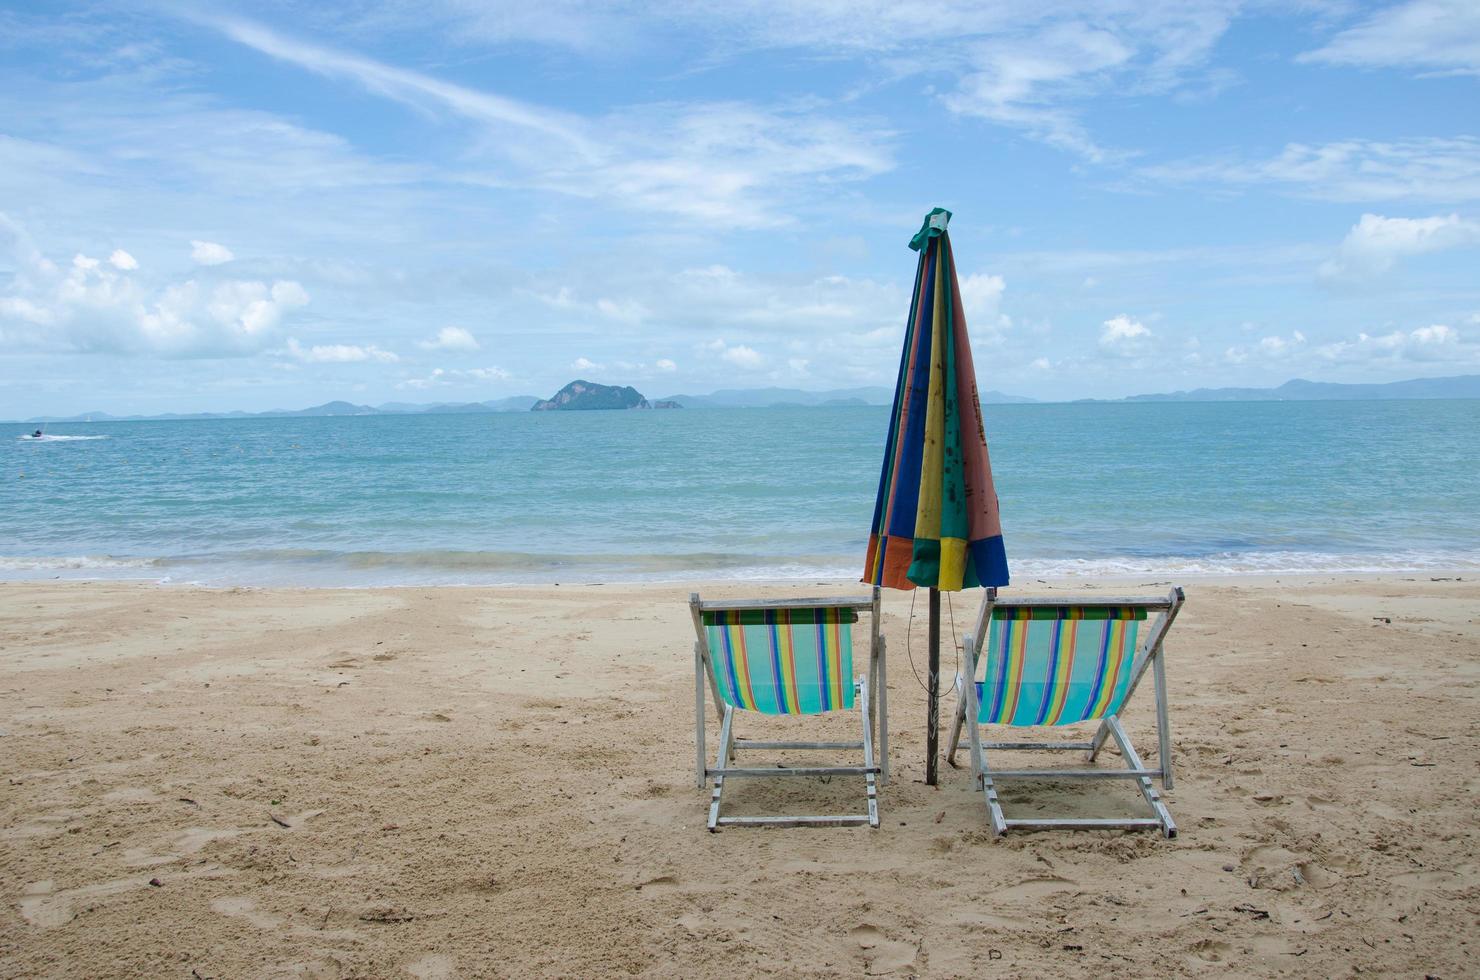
274, 204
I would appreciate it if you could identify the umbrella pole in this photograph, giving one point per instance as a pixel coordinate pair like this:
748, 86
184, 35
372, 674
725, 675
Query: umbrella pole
932, 722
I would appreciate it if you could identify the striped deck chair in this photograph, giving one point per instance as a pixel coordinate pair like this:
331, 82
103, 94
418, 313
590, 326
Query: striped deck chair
1062, 661
788, 658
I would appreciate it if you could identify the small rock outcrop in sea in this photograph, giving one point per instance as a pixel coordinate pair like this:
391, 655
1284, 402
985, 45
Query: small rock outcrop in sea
584, 396
666, 404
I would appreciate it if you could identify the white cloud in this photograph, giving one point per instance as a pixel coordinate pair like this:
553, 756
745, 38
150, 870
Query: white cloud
981, 298
1429, 35
1267, 349
1421, 169
584, 364
463, 377
1281, 345
340, 353
451, 339
210, 253
743, 356
1123, 333
1437, 343
93, 305
665, 365
1376, 243
738, 354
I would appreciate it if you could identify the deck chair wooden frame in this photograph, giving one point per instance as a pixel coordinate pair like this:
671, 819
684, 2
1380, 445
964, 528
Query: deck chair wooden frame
870, 697
1149, 657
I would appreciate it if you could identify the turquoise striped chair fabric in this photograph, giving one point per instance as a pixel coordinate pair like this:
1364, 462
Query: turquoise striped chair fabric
782, 661
1049, 665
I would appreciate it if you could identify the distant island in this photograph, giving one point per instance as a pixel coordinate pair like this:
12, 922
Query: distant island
1460, 386
587, 396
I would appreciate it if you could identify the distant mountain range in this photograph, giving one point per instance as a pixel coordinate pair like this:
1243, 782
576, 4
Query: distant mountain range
517, 403
1300, 390
796, 397
729, 398
1461, 386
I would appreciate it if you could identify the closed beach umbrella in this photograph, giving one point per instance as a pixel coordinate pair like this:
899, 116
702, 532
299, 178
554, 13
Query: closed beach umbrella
936, 523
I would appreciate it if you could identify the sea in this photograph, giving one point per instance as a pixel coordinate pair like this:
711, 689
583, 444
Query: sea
780, 494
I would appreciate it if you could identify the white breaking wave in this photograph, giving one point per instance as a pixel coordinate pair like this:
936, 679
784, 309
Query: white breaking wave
351, 571
1244, 563
47, 438
76, 563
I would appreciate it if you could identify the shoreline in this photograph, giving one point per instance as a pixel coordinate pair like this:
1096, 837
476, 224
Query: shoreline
1254, 579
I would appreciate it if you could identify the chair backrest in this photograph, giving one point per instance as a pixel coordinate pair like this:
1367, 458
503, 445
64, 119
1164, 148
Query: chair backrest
1050, 664
787, 659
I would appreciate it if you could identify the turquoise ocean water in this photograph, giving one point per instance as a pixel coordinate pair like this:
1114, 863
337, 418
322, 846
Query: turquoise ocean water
1086, 489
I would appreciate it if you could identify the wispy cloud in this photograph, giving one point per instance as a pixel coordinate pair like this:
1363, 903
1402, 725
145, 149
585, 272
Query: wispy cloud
1427, 35
339, 353
455, 378
412, 88
1445, 170
729, 163
1030, 67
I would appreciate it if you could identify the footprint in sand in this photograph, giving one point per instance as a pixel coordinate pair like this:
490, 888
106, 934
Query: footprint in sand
42, 905
1209, 951
882, 955
246, 909
1439, 878
659, 885
1035, 887
432, 967
186, 842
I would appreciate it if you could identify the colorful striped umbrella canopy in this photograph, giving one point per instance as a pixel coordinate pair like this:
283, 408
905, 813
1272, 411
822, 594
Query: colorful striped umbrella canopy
935, 521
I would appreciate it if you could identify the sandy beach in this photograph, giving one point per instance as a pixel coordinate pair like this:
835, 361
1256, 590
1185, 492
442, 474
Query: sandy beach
498, 782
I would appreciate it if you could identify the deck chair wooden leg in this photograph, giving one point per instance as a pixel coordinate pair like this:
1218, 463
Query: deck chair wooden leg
1163, 731
726, 750
959, 721
868, 757
871, 715
881, 693
968, 712
1098, 742
1143, 783
966, 675
699, 711
989, 788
